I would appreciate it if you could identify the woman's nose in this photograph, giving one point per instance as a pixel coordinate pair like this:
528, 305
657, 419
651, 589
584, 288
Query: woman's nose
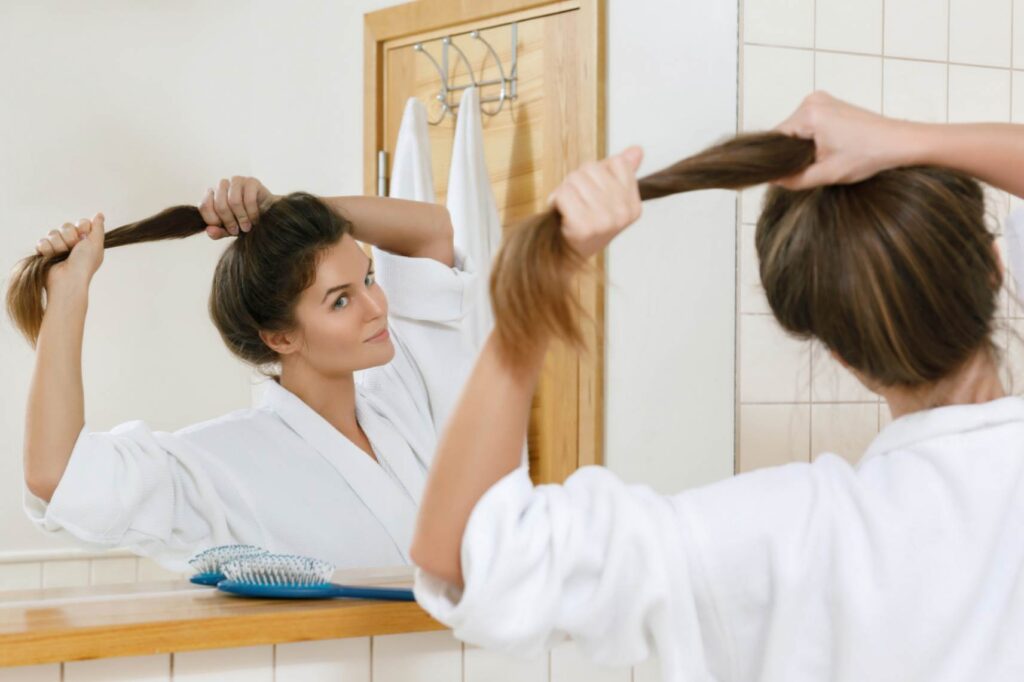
373, 307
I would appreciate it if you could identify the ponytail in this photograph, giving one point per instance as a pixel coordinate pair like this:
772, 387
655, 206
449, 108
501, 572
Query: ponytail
533, 273
28, 279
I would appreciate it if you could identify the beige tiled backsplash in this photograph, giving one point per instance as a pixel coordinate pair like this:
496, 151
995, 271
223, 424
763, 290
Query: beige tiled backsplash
926, 60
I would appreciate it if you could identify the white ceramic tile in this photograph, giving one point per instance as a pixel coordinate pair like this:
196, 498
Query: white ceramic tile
133, 668
1017, 99
111, 571
242, 664
916, 28
1013, 379
752, 299
569, 665
978, 94
771, 435
831, 382
417, 657
997, 207
774, 367
1018, 34
66, 573
1003, 307
329, 660
481, 665
775, 81
149, 570
750, 203
848, 26
914, 90
779, 22
980, 32
854, 78
884, 415
21, 576
843, 429
49, 672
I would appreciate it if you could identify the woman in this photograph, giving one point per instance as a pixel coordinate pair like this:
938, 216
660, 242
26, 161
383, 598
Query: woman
905, 567
333, 460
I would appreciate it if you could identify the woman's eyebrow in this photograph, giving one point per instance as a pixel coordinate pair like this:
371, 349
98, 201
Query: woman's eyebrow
369, 267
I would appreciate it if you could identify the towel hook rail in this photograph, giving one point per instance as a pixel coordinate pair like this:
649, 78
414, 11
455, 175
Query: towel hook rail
445, 95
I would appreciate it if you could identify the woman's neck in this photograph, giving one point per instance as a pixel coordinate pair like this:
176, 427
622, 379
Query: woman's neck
333, 397
977, 381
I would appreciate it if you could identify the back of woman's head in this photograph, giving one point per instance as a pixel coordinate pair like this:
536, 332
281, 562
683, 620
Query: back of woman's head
256, 283
896, 274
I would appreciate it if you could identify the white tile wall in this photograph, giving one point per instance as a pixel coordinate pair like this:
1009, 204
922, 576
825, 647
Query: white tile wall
980, 32
917, 29
129, 669
244, 664
331, 660
432, 656
32, 673
926, 60
849, 26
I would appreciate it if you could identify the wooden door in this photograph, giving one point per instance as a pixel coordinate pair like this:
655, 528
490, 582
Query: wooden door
553, 125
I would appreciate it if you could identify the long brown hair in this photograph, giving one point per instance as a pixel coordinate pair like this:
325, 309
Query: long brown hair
896, 274
256, 283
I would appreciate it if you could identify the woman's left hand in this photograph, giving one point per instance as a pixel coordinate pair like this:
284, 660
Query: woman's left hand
235, 206
599, 200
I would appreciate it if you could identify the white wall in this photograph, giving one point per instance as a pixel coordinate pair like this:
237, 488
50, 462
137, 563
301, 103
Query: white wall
671, 302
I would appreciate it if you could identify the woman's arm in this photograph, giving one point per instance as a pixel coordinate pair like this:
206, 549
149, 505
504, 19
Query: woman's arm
991, 152
483, 439
853, 144
56, 403
408, 228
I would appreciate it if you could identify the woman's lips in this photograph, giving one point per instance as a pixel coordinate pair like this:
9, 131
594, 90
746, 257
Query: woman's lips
382, 335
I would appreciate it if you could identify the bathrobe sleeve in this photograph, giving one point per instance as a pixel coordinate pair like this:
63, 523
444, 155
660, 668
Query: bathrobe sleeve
150, 492
427, 305
627, 572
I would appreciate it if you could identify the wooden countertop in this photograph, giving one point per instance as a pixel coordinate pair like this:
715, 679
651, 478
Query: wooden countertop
136, 619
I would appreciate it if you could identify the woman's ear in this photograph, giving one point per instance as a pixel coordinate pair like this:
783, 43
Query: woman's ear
282, 343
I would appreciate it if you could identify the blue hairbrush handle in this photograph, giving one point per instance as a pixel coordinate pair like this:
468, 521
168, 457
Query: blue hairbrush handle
324, 591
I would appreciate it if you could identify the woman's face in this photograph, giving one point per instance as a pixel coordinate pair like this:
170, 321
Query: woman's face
343, 316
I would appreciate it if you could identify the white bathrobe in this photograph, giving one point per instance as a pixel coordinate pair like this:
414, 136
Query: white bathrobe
473, 210
908, 567
411, 176
279, 475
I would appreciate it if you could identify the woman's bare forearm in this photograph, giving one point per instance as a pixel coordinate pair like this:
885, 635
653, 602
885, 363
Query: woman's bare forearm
408, 228
991, 152
481, 443
56, 402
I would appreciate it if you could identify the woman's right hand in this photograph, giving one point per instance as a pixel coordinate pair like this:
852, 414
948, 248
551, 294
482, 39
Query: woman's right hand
235, 206
84, 240
851, 143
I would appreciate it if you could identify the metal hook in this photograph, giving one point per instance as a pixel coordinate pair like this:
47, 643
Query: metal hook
443, 95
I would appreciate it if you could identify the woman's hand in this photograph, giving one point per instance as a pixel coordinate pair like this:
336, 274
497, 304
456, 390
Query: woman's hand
599, 200
851, 143
235, 206
85, 242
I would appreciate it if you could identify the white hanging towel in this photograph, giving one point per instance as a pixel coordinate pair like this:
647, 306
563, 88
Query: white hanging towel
1015, 249
473, 210
411, 177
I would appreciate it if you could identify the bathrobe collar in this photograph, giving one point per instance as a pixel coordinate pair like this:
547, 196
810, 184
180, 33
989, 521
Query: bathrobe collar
925, 425
390, 501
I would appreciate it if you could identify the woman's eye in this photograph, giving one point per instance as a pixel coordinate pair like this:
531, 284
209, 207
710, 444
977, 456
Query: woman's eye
339, 304
370, 279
